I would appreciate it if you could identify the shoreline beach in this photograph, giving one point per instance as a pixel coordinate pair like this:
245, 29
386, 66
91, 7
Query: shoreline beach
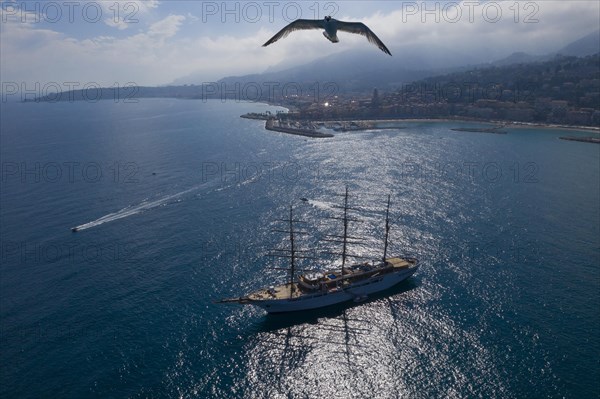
504, 124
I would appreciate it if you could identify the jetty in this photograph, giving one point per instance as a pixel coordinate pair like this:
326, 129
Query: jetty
595, 140
257, 116
358, 126
307, 130
492, 130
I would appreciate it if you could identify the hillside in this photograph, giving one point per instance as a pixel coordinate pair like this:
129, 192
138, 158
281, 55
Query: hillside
564, 90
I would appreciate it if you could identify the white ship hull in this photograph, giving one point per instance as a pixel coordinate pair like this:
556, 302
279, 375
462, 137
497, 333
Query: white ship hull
319, 300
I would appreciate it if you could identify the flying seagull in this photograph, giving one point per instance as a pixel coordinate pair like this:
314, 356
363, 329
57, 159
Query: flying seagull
331, 27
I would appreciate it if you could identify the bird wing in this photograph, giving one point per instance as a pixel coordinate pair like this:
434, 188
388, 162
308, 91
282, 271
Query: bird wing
362, 29
299, 24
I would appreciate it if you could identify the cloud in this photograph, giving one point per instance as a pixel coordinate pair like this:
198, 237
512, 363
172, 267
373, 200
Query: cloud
125, 13
118, 23
163, 49
167, 27
102, 59
494, 27
190, 17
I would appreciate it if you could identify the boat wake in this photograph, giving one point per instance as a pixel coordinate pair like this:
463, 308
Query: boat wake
132, 210
145, 205
327, 206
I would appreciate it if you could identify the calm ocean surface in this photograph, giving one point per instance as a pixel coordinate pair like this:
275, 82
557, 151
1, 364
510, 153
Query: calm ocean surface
177, 201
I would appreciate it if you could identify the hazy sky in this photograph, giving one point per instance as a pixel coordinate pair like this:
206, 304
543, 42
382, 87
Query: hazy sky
150, 42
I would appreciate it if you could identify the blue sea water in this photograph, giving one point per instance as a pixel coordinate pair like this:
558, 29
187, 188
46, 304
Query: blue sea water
177, 200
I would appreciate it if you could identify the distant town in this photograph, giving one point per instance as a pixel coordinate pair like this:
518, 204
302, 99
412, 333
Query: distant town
563, 91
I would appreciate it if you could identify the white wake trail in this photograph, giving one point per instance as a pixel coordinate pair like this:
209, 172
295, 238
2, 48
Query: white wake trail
132, 210
327, 206
145, 205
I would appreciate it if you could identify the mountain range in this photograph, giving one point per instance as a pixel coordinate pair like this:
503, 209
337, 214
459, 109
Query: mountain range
412, 63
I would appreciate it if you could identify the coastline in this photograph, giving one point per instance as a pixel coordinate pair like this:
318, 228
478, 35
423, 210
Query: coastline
525, 125
495, 123
506, 124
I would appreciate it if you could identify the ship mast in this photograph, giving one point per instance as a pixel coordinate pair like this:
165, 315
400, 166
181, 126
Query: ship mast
345, 239
387, 230
345, 230
293, 253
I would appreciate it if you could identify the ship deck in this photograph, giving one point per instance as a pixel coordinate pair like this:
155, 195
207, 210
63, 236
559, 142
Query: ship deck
283, 291
277, 292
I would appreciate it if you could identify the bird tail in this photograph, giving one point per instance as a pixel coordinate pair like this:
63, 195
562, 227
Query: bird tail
332, 39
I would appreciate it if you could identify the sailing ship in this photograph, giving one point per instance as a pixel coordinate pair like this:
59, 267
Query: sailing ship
316, 289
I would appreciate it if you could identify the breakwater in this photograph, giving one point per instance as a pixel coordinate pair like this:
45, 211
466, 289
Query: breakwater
275, 126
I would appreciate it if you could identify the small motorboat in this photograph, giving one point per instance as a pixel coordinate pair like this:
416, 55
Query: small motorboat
74, 229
